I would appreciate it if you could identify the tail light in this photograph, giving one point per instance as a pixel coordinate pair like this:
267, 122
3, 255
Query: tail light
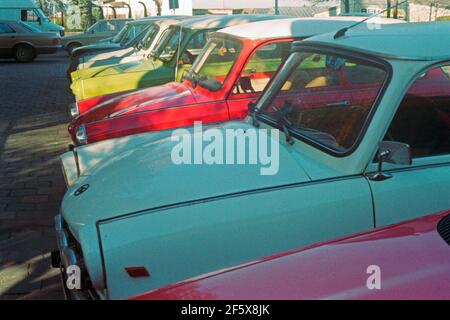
55, 41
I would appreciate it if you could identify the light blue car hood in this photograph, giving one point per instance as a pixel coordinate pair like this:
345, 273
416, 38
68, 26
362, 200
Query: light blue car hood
145, 177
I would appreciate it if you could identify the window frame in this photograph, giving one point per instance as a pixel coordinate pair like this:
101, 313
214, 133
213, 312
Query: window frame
423, 160
324, 49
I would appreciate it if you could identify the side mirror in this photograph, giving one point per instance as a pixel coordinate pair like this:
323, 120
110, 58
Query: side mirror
391, 152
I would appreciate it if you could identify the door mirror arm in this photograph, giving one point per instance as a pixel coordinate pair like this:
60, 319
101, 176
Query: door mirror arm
391, 152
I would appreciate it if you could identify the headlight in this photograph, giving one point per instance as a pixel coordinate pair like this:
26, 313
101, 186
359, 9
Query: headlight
81, 135
73, 110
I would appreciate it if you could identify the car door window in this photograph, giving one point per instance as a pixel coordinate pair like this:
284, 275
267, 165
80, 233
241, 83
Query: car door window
4, 28
196, 44
423, 117
29, 16
260, 67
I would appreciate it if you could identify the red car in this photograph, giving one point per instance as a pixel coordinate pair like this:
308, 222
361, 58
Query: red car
231, 71
411, 261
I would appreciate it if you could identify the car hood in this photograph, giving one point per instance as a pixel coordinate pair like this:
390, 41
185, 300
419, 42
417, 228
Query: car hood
118, 53
145, 177
143, 65
153, 98
99, 46
65, 39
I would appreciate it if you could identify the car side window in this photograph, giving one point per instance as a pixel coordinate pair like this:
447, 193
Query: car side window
4, 28
261, 66
196, 44
28, 16
423, 117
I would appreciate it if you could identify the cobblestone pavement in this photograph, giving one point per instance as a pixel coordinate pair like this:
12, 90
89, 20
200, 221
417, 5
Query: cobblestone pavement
33, 121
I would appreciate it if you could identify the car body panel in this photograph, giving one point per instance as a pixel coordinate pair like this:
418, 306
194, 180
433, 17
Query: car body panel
41, 42
413, 259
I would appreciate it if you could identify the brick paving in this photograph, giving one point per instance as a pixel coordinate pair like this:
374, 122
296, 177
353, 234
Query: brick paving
33, 122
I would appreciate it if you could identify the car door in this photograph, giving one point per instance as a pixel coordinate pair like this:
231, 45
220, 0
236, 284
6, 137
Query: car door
7, 39
422, 121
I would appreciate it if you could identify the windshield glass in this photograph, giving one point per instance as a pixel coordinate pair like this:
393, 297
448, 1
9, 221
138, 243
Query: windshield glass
149, 37
42, 15
121, 33
132, 33
168, 45
215, 62
324, 98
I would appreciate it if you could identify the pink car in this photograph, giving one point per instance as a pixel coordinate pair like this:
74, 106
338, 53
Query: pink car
410, 260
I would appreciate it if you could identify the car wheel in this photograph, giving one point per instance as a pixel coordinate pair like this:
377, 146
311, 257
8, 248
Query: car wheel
71, 47
24, 53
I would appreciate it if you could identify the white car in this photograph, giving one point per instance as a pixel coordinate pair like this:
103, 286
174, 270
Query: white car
131, 54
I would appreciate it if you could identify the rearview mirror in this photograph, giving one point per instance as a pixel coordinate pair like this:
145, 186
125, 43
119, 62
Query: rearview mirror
391, 152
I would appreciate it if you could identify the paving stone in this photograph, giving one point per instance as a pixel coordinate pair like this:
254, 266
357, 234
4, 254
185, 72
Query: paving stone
33, 133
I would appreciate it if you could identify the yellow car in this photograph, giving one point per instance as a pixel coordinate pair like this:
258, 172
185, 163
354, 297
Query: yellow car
175, 52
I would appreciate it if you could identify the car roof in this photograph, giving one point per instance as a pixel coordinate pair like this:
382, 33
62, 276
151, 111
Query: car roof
153, 19
295, 27
423, 41
223, 21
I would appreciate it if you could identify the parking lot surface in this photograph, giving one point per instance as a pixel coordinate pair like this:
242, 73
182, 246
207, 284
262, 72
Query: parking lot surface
33, 122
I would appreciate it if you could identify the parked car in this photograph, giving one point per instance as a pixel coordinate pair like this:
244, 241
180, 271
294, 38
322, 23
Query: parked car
166, 63
100, 30
24, 42
413, 258
28, 12
127, 44
218, 88
348, 158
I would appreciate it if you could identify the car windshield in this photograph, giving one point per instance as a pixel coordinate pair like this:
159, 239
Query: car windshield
168, 45
149, 36
132, 33
42, 16
323, 98
117, 38
214, 63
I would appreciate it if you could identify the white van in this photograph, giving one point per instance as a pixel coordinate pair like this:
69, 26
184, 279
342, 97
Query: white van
27, 11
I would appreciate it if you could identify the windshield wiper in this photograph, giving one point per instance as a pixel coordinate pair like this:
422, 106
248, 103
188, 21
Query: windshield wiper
283, 121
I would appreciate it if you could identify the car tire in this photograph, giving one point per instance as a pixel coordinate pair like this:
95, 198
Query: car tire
24, 53
71, 47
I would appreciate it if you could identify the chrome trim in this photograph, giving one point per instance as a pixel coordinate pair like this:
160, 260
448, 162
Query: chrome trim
81, 135
73, 110
68, 258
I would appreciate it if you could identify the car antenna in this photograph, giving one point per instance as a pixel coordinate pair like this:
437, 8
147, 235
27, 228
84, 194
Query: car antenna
343, 31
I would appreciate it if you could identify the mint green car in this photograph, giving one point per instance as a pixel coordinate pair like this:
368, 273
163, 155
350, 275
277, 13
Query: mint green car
175, 53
